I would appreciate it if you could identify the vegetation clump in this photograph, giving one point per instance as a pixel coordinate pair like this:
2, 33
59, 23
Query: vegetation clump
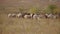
50, 9
34, 10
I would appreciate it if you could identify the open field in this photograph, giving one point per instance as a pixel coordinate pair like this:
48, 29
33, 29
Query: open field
28, 26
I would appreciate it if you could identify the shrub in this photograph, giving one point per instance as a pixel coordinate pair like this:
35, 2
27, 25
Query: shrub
50, 9
34, 10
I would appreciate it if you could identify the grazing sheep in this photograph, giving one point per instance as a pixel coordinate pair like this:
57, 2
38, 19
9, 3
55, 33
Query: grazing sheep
13, 15
55, 16
27, 16
19, 15
49, 15
23, 14
41, 16
9, 15
31, 15
46, 15
35, 16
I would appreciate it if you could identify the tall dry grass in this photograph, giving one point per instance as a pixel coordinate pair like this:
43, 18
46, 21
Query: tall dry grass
28, 26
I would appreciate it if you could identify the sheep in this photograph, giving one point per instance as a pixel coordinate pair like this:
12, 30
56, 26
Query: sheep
55, 16
49, 15
9, 15
13, 15
23, 14
28, 15
46, 15
35, 16
41, 16
31, 15
19, 15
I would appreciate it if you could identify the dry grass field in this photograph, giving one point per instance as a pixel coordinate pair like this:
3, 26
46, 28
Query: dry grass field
28, 26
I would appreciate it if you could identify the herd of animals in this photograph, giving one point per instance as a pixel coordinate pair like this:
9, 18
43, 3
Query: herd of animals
33, 16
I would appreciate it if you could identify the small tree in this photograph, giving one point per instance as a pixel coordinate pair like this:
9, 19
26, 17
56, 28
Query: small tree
34, 10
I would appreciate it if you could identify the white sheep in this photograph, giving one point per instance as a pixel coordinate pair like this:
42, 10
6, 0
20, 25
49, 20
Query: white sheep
9, 15
27, 16
35, 16
49, 15
19, 15
13, 15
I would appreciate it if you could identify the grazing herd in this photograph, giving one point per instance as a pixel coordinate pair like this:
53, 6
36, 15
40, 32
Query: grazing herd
33, 16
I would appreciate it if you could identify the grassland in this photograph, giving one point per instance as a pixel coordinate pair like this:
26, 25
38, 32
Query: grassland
28, 26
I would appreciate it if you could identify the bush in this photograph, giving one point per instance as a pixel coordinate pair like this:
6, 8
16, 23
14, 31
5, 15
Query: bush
50, 9
34, 10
